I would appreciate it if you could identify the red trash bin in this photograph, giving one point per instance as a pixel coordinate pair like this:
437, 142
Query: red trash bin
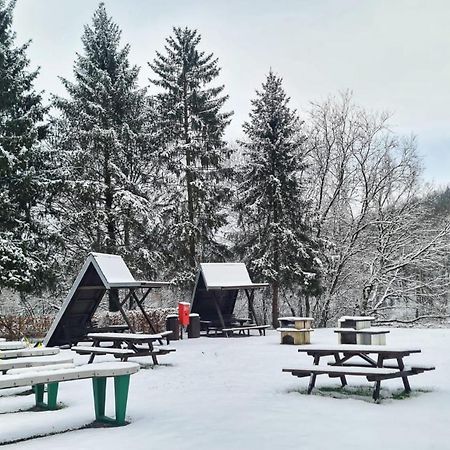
183, 313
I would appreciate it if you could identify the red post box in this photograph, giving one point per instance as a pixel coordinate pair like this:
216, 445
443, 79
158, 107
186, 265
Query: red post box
183, 313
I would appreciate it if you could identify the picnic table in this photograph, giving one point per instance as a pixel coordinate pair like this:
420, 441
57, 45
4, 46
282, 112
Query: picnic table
124, 345
373, 367
358, 330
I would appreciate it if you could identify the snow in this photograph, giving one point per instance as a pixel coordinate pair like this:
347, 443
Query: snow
231, 393
225, 274
113, 268
28, 352
12, 345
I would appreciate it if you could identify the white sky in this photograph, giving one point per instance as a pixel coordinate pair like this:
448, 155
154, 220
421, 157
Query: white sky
393, 54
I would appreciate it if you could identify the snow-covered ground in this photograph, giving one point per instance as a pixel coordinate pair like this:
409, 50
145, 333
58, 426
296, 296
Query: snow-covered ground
218, 393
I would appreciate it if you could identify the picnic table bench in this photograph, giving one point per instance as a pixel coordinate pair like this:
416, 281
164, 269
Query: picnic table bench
25, 352
21, 363
374, 370
246, 328
97, 372
12, 345
124, 345
364, 336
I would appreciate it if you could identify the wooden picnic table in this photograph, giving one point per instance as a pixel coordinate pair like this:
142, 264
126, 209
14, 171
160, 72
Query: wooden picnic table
124, 345
344, 355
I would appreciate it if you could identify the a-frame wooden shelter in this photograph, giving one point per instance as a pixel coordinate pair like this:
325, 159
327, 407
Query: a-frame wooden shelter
100, 273
216, 289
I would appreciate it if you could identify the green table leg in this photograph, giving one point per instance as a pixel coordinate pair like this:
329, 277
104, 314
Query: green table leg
52, 395
121, 385
99, 386
39, 394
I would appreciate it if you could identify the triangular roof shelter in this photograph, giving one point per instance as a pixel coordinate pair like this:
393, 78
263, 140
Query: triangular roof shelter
216, 288
100, 273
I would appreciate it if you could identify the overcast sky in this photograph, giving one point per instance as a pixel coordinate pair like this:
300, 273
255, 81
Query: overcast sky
393, 54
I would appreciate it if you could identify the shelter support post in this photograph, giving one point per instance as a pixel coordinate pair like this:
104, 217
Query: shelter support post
219, 313
140, 304
250, 297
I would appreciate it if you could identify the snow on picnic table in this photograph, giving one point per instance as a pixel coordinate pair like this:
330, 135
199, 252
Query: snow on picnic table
218, 393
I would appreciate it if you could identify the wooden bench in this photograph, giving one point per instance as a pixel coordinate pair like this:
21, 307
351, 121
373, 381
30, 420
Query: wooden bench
20, 363
121, 353
241, 330
389, 365
99, 373
376, 374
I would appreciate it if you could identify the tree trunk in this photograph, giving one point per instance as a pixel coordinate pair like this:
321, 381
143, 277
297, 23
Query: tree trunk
307, 306
111, 246
275, 293
189, 176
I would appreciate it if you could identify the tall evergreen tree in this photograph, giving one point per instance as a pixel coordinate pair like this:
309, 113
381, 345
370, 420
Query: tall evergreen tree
104, 135
273, 216
194, 154
24, 264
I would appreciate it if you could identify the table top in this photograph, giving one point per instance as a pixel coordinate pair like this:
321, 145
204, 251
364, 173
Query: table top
294, 319
124, 337
358, 318
357, 349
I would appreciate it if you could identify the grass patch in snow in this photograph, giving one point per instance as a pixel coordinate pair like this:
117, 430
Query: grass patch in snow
363, 393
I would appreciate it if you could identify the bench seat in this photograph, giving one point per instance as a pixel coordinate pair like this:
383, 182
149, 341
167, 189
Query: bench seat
20, 363
389, 365
25, 352
160, 350
376, 374
261, 328
12, 345
122, 353
341, 370
59, 366
99, 373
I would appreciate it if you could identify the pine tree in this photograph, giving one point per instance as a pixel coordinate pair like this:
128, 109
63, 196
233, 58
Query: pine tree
104, 135
193, 154
24, 262
273, 216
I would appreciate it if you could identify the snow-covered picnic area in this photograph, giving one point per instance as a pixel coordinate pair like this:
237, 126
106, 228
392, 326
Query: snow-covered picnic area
230, 393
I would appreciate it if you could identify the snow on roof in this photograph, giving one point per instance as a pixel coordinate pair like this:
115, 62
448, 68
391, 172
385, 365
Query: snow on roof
113, 268
226, 275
